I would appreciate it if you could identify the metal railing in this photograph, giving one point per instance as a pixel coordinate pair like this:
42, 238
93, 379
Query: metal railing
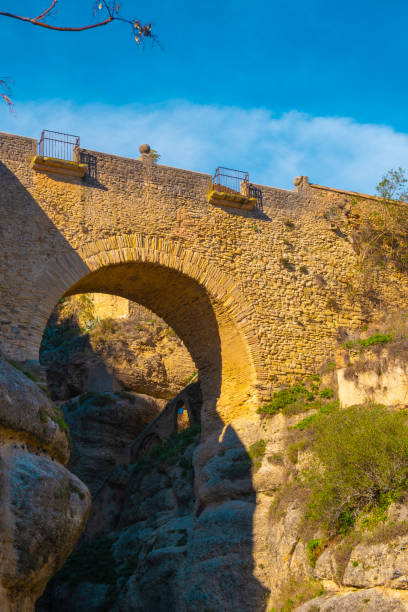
236, 181
227, 179
58, 145
90, 160
255, 192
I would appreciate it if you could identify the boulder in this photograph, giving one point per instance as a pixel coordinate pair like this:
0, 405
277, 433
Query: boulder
43, 507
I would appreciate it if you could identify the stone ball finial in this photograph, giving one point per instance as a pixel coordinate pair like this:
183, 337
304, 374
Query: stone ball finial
144, 149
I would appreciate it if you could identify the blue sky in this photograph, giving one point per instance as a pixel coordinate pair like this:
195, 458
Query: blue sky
275, 88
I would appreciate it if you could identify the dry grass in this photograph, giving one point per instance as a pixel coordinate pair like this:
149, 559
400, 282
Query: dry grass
386, 532
296, 592
342, 553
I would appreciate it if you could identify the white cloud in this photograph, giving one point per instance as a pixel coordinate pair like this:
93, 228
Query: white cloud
333, 151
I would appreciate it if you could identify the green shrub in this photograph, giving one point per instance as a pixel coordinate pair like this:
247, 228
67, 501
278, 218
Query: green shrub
349, 344
21, 369
374, 340
294, 448
286, 397
306, 422
168, 452
190, 379
314, 550
379, 513
58, 418
170, 449
361, 458
256, 452
327, 393
323, 409
377, 339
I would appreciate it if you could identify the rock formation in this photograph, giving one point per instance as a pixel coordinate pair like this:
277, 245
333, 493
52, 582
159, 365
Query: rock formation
98, 345
44, 507
102, 427
172, 531
190, 523
133, 555
199, 525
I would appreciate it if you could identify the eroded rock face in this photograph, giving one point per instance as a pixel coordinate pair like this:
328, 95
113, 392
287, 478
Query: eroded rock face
377, 374
26, 411
43, 507
142, 520
137, 353
102, 426
197, 530
177, 529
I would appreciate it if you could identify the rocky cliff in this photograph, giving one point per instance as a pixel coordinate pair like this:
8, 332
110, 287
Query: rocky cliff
172, 531
303, 508
102, 344
188, 526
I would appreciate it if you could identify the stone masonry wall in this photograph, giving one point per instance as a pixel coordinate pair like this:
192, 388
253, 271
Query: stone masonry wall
278, 280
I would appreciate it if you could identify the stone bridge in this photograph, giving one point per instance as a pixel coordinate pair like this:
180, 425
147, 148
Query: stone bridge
257, 296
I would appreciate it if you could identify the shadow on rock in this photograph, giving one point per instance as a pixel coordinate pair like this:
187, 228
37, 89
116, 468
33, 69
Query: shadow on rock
170, 531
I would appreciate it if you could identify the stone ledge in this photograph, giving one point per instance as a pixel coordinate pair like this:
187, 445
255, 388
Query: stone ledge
232, 200
58, 166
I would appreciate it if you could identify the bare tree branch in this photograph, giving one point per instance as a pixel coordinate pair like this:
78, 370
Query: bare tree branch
141, 31
109, 9
59, 28
46, 11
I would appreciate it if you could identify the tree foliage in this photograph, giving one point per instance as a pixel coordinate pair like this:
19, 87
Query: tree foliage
382, 238
393, 186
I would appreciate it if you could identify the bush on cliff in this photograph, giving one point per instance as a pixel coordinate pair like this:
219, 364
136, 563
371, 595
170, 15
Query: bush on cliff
360, 462
298, 394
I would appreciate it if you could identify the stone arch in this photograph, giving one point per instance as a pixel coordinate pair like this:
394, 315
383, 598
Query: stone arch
199, 301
